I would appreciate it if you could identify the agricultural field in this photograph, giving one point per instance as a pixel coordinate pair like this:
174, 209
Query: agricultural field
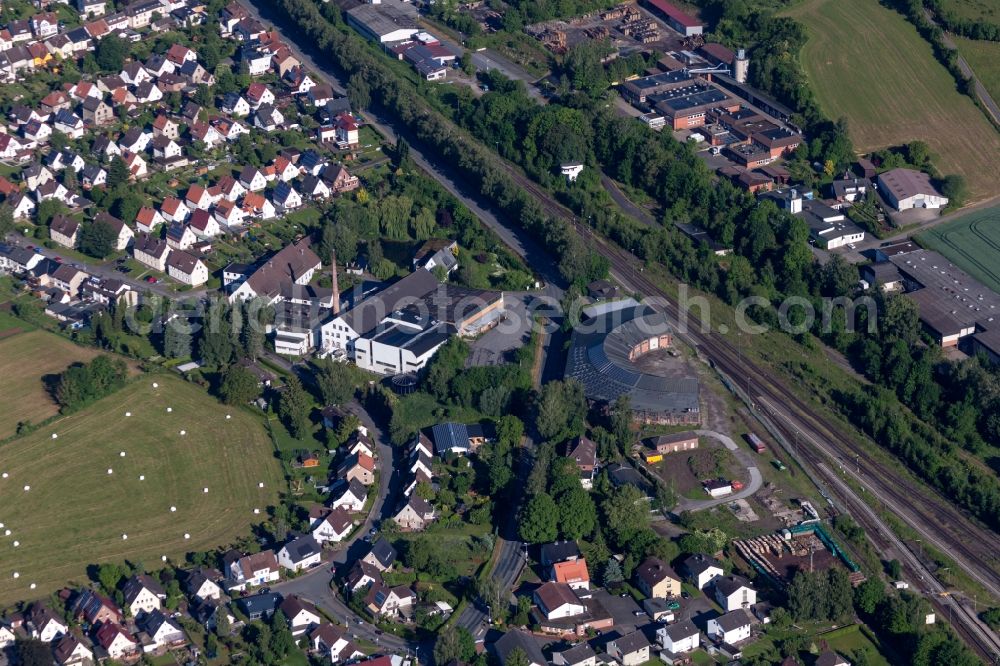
974, 10
972, 242
868, 64
76, 513
26, 357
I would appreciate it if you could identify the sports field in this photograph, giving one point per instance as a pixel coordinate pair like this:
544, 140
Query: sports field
25, 358
76, 513
868, 64
972, 242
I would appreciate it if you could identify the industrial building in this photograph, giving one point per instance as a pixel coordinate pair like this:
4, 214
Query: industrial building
389, 21
624, 349
688, 106
675, 18
906, 188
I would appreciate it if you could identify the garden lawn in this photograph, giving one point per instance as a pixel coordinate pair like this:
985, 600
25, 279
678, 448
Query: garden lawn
76, 513
26, 357
866, 63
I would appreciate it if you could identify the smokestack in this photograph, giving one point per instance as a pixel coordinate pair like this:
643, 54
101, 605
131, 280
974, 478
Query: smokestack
336, 286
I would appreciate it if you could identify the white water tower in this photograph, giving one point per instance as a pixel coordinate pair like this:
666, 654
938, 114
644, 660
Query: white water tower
741, 66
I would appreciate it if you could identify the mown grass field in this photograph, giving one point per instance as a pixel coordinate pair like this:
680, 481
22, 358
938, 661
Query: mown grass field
26, 356
972, 242
868, 64
76, 513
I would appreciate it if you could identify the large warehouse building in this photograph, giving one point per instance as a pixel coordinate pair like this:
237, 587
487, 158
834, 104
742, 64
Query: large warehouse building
625, 349
907, 188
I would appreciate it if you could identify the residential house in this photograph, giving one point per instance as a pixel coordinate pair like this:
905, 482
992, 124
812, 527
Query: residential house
17, 259
301, 553
142, 595
347, 131
151, 251
71, 650
831, 658
415, 514
332, 526
580, 654
163, 126
388, 601
252, 179
285, 170
319, 95
731, 628
179, 55
361, 576
330, 642
702, 570
196, 74
235, 105
187, 268
381, 556
90, 8
558, 600
7, 636
105, 147
734, 592
205, 224
437, 253
559, 551
165, 148
57, 46
231, 188
36, 133
268, 118
115, 641
21, 206
314, 188
205, 134
258, 61
45, 625
351, 498
200, 584
630, 650
55, 190
54, 102
93, 175
298, 80
180, 236
258, 95
148, 219
134, 74
573, 573
200, 197
358, 467
340, 179
64, 231
259, 606
44, 25
229, 129
135, 163
160, 632
251, 570
657, 580
301, 615
678, 639
174, 210
583, 452
158, 65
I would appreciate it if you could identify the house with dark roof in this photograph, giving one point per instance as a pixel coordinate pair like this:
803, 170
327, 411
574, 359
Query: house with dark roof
142, 594
559, 551
732, 628
201, 584
558, 600
259, 606
734, 592
72, 650
301, 615
294, 264
678, 638
160, 631
631, 649
702, 570
301, 553
382, 555
415, 514
580, 654
656, 579
516, 639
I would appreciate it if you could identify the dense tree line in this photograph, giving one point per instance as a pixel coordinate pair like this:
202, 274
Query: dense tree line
952, 22
83, 383
352, 56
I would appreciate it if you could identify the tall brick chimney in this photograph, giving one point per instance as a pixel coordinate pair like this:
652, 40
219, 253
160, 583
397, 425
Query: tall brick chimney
336, 286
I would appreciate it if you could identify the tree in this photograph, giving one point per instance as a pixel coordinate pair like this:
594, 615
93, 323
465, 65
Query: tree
216, 344
454, 644
955, 188
402, 151
111, 52
98, 239
31, 652
126, 206
48, 209
561, 409
177, 342
239, 386
517, 657
109, 575
869, 595
6, 219
359, 92
577, 513
336, 381
613, 573
625, 515
118, 173
538, 522
294, 407
251, 335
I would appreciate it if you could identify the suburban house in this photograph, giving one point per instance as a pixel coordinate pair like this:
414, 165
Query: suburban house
677, 639
340, 180
731, 628
657, 447
331, 642
630, 650
519, 641
559, 551
381, 556
457, 438
702, 570
300, 614
734, 592
142, 595
114, 640
580, 654
94, 608
293, 264
180, 236
64, 231
300, 553
583, 452
187, 268
656, 579
831, 658
200, 584
558, 600
573, 573
415, 514
71, 650
361, 575
151, 251
160, 632
259, 606
387, 601
351, 498
358, 467
44, 625
333, 526
250, 570
252, 179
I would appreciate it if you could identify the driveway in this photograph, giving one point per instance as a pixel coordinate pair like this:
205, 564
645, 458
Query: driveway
745, 459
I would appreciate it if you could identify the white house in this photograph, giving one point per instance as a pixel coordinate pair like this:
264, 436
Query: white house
115, 640
678, 638
333, 526
251, 570
331, 642
44, 625
300, 614
734, 592
148, 219
71, 651
142, 595
580, 654
300, 554
187, 268
558, 600
199, 584
702, 570
352, 498
180, 236
252, 179
151, 251
7, 637
162, 632
731, 628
